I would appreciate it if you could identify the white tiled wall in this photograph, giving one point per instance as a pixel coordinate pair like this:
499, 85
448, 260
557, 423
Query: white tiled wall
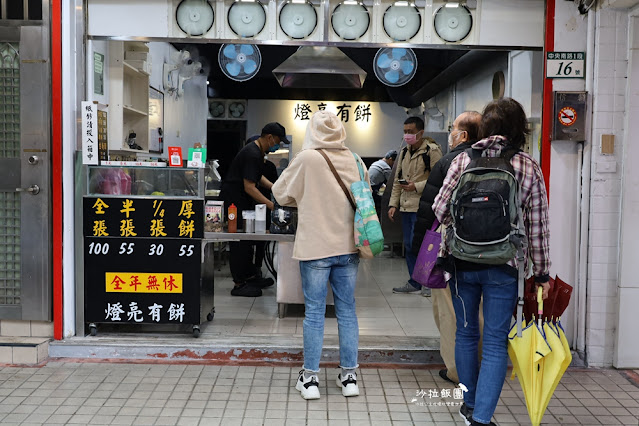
11, 328
611, 67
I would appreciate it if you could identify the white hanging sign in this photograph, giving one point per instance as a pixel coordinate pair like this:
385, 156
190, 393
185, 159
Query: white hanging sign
89, 113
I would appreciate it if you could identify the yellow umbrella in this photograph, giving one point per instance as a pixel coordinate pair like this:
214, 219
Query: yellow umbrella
556, 363
531, 357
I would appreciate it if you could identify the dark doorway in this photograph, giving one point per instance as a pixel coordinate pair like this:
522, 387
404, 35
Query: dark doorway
224, 140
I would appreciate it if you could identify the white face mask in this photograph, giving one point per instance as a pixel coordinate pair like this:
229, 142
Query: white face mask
451, 138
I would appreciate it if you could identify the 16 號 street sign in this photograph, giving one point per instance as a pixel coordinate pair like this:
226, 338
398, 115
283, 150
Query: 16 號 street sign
565, 65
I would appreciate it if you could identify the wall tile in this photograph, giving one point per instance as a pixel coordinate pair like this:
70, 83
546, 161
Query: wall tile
602, 288
25, 355
15, 328
41, 329
6, 355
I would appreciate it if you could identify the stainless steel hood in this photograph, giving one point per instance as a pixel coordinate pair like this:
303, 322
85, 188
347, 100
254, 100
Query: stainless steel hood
316, 67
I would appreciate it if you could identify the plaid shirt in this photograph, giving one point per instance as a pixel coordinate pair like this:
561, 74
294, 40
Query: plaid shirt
532, 193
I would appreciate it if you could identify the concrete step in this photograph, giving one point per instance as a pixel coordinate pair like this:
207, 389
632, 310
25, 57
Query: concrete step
272, 349
23, 350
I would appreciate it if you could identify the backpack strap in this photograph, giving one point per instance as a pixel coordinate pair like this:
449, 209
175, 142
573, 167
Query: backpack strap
339, 179
401, 160
426, 158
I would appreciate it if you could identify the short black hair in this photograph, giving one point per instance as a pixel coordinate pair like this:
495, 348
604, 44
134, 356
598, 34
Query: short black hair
417, 121
505, 117
469, 123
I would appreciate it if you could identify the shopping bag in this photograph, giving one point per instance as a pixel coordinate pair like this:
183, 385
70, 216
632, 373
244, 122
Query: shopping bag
426, 272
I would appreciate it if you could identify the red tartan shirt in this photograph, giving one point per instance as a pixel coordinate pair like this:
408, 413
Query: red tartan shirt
532, 193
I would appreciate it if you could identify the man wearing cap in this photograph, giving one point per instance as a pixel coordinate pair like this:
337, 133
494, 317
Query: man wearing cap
379, 173
240, 188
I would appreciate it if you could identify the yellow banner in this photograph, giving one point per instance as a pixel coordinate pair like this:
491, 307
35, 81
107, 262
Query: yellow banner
143, 282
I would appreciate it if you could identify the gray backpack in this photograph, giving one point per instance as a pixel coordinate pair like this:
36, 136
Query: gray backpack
487, 226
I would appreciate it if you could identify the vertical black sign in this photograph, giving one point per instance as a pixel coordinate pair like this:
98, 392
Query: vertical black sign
142, 260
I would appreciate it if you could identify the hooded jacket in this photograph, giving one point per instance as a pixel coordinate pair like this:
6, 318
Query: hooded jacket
325, 216
413, 169
425, 215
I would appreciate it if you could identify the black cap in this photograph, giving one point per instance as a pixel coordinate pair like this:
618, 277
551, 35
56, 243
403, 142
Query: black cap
276, 129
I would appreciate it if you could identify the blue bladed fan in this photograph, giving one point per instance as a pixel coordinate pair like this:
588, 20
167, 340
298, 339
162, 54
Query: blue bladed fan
239, 62
394, 66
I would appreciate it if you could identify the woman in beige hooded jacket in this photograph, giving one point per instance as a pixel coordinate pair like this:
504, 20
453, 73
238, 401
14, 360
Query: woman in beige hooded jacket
324, 245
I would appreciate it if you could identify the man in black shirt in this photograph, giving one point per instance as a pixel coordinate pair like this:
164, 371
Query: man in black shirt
240, 188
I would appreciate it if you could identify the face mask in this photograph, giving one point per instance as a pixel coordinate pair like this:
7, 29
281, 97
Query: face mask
450, 141
410, 139
274, 148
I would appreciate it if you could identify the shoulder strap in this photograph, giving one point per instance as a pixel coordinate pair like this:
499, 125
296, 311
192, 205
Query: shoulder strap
401, 160
473, 153
509, 153
426, 158
339, 179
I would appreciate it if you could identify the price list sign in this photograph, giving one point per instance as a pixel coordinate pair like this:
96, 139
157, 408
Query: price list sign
142, 260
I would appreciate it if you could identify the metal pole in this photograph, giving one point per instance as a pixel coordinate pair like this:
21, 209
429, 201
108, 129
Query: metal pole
25, 9
3, 9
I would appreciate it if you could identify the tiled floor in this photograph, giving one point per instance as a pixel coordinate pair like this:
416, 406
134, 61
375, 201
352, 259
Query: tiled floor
379, 311
170, 394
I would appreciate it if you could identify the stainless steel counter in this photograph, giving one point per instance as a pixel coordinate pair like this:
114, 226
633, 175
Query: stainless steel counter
210, 237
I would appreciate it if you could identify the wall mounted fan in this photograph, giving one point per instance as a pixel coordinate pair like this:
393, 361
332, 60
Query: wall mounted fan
247, 19
237, 110
402, 21
239, 62
194, 17
350, 20
298, 20
453, 22
217, 108
395, 67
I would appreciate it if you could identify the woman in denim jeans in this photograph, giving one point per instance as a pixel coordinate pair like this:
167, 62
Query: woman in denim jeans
503, 125
325, 246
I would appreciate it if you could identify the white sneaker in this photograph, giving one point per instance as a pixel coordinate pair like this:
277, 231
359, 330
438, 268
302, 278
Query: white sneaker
308, 387
349, 385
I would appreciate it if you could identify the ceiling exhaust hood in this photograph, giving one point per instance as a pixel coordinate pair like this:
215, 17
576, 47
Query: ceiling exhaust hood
316, 67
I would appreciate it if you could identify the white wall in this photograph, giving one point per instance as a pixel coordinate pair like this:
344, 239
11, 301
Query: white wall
373, 139
184, 116
627, 344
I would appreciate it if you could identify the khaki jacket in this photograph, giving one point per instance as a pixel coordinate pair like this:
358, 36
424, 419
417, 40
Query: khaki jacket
413, 169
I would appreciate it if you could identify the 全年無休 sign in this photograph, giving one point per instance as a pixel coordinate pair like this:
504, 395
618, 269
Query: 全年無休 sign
565, 65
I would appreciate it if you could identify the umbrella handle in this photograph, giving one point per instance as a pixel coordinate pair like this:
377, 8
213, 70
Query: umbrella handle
540, 304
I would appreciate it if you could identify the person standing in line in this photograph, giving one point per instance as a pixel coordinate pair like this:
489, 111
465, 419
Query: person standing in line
461, 137
380, 172
240, 188
324, 245
503, 127
416, 161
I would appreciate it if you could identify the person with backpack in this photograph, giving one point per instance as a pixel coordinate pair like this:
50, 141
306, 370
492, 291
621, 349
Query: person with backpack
415, 163
462, 136
325, 245
494, 204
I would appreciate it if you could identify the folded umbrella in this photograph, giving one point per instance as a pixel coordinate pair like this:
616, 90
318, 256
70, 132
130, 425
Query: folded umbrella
539, 358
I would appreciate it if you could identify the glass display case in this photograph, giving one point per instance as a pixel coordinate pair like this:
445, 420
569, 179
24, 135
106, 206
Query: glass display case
146, 181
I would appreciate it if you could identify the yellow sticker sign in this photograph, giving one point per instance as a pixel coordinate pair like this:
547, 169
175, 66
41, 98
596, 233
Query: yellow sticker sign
143, 282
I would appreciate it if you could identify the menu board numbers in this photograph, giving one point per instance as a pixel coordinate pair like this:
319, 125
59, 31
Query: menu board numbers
156, 250
126, 248
186, 250
98, 248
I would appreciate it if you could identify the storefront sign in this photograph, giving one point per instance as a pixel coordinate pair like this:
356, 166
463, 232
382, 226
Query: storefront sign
352, 111
565, 65
89, 112
143, 217
142, 259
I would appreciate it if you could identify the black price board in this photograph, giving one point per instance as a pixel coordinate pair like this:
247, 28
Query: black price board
142, 280
143, 217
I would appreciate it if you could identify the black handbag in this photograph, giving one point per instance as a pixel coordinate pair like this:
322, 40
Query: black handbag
283, 220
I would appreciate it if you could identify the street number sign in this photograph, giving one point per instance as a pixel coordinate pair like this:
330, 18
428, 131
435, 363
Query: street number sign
565, 65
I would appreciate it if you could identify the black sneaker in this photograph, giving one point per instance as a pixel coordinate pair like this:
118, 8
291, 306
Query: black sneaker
474, 423
444, 375
260, 282
246, 290
466, 413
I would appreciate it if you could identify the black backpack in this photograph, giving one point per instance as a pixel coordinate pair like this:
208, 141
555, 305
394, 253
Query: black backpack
487, 226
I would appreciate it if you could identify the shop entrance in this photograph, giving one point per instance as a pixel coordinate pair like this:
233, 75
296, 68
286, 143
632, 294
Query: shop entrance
25, 156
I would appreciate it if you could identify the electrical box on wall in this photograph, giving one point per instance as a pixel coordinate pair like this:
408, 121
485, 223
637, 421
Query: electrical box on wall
569, 123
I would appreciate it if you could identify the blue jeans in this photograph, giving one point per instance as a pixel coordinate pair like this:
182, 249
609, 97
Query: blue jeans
341, 271
408, 226
500, 297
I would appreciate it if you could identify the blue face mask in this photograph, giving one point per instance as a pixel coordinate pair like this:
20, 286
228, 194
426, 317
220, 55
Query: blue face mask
274, 148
